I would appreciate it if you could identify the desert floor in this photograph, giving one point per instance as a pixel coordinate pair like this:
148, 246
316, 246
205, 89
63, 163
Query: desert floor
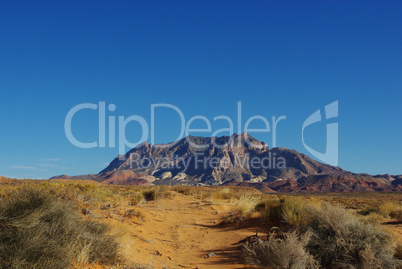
187, 232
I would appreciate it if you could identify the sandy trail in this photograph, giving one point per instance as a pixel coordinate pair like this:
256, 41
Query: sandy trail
185, 232
181, 233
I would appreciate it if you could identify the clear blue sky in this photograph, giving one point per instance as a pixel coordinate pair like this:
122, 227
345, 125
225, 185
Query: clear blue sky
276, 57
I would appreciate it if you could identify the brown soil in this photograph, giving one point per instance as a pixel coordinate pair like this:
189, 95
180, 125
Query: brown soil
181, 233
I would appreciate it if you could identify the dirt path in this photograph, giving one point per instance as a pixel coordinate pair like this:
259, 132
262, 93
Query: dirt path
184, 233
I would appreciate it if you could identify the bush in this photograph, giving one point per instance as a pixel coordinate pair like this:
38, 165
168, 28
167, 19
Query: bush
40, 231
159, 192
372, 218
245, 206
397, 215
340, 240
289, 252
330, 234
222, 194
134, 213
136, 198
294, 212
387, 208
186, 190
269, 210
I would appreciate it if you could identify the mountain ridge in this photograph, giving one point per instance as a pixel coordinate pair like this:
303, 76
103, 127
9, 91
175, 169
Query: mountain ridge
239, 159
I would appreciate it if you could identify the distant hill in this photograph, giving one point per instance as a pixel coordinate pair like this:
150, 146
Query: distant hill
88, 176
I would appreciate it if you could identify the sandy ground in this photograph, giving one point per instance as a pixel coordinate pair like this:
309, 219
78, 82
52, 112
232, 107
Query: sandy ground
185, 232
182, 233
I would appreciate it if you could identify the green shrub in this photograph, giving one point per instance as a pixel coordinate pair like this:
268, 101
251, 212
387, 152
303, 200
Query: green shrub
39, 231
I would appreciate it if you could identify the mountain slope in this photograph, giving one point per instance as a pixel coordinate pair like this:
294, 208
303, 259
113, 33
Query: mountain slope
237, 160
216, 161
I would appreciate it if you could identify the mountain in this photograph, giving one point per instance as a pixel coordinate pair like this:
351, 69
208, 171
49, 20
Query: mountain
217, 161
235, 160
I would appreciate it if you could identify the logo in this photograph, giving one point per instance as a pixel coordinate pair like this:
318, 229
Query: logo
107, 123
331, 150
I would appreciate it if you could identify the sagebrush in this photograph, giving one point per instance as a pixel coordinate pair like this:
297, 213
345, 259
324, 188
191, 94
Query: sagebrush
37, 230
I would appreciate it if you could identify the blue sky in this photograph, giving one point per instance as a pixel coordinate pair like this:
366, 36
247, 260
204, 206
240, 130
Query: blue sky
275, 57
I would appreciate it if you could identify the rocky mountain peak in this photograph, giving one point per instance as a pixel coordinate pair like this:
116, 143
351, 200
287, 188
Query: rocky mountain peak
217, 160
239, 159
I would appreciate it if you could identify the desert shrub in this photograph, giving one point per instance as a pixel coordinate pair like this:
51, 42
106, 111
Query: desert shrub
158, 192
340, 240
391, 209
86, 195
203, 195
136, 198
39, 231
398, 251
269, 210
397, 215
335, 238
246, 204
387, 208
372, 218
295, 212
289, 252
130, 213
149, 195
367, 211
222, 194
186, 190
244, 207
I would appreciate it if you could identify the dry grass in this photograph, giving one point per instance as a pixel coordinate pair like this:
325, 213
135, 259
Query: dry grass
40, 231
269, 210
391, 209
294, 212
287, 252
137, 198
372, 218
245, 205
336, 237
134, 213
222, 194
397, 215
387, 208
158, 193
339, 239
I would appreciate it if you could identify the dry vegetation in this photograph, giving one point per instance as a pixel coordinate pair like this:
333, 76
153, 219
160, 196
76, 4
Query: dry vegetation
37, 230
79, 224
